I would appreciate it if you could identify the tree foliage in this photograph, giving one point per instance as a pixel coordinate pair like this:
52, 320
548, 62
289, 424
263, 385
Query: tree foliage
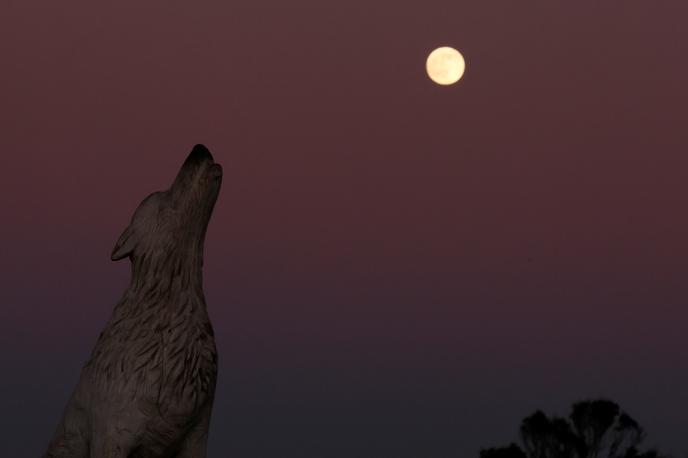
594, 429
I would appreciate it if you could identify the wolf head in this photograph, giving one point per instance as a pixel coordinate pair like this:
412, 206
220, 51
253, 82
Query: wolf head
168, 227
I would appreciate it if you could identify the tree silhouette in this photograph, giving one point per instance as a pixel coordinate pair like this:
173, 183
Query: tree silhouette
594, 429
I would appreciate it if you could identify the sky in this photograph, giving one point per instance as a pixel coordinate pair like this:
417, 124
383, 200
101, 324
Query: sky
394, 268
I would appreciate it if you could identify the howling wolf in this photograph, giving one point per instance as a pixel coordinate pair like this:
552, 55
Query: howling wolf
148, 388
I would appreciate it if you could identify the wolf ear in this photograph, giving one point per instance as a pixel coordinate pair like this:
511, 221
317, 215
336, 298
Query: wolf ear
125, 245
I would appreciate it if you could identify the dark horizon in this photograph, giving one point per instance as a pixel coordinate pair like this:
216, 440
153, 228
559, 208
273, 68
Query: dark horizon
393, 268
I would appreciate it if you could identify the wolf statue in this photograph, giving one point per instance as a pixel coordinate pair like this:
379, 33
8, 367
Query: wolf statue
148, 388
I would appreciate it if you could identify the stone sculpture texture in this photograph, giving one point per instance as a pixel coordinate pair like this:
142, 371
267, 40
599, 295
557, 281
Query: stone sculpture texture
147, 389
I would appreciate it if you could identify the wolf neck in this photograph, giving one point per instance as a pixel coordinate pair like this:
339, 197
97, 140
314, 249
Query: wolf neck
168, 274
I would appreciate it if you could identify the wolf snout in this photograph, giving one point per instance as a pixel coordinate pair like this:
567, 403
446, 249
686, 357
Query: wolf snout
199, 154
215, 171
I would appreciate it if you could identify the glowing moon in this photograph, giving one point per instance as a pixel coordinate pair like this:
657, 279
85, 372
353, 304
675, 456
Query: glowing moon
445, 65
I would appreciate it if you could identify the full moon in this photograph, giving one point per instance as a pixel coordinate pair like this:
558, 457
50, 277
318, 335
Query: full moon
445, 65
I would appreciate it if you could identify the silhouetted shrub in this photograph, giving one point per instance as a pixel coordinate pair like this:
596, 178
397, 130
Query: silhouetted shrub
595, 428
